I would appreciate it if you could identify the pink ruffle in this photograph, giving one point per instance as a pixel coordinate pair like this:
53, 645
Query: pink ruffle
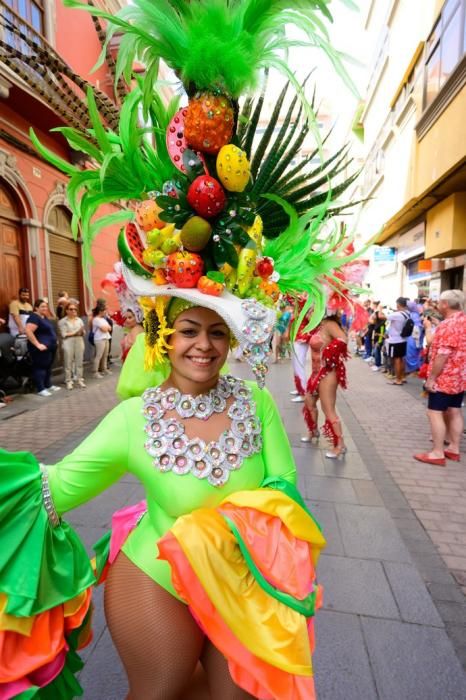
123, 522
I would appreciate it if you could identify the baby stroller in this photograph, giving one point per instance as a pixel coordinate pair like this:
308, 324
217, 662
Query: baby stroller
15, 364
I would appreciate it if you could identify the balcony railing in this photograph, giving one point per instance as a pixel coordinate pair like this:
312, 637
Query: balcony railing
20, 49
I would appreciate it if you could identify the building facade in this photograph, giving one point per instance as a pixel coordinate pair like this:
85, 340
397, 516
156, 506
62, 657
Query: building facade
413, 121
37, 249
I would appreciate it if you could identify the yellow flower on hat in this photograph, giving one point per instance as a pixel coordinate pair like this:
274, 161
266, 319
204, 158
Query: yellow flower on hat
156, 330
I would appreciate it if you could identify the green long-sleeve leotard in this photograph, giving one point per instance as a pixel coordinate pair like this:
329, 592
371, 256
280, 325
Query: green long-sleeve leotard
116, 446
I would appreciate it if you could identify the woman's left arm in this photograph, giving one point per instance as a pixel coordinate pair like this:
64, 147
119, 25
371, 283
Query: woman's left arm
276, 448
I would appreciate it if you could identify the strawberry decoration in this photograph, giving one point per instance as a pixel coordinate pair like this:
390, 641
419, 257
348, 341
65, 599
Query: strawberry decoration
184, 269
206, 196
209, 122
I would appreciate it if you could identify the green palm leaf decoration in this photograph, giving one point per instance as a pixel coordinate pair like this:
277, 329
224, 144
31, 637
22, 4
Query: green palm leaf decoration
122, 165
303, 186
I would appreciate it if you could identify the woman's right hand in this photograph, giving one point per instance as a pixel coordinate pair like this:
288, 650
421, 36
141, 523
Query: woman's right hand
41, 347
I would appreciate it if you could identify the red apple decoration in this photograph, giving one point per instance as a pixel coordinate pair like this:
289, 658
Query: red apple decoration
264, 267
206, 196
184, 269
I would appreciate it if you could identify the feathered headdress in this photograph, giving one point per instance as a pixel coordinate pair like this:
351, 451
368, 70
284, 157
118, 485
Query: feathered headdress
212, 219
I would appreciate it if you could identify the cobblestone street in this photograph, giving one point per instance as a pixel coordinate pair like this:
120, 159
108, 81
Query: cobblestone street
394, 570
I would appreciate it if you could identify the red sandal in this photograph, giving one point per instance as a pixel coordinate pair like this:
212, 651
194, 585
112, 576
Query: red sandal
454, 456
424, 457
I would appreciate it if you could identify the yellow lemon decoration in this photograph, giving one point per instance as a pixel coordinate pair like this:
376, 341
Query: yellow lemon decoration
233, 168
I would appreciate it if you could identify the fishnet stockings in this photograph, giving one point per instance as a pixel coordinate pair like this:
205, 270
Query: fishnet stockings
158, 640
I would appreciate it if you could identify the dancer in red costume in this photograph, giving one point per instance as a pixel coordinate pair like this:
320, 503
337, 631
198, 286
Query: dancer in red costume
299, 354
328, 355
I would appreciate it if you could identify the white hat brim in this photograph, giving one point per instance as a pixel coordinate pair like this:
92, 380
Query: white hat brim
231, 308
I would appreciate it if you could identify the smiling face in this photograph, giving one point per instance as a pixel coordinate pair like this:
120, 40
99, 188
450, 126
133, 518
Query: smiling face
200, 347
130, 319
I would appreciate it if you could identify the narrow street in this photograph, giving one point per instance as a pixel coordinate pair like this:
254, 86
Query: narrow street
394, 620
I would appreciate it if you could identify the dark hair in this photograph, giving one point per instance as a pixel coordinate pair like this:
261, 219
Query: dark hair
23, 289
402, 301
334, 317
100, 305
38, 302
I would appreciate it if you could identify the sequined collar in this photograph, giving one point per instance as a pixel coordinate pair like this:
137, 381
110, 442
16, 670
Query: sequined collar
172, 450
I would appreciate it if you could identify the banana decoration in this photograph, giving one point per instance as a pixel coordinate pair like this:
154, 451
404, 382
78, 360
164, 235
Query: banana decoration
246, 266
230, 275
255, 232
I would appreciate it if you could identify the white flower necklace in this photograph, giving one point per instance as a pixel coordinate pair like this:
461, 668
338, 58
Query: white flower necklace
173, 451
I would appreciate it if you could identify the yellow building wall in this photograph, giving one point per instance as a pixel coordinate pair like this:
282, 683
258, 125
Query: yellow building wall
443, 147
446, 227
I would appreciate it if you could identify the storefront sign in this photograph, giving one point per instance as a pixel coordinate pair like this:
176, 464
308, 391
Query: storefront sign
384, 254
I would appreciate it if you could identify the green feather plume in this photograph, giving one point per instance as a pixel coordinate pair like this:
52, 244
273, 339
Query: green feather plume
217, 43
306, 260
121, 166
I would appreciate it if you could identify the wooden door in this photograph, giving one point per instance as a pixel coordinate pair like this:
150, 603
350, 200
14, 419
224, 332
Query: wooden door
12, 253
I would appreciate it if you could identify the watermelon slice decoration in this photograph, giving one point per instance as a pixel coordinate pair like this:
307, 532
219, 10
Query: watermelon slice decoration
131, 248
176, 142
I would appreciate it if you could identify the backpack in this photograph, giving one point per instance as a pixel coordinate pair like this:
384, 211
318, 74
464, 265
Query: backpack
408, 325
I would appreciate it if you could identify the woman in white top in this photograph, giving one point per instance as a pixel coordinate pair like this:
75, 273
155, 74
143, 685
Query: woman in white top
71, 329
101, 329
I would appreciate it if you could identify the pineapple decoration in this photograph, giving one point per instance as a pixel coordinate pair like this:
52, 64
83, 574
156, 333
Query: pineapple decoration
209, 122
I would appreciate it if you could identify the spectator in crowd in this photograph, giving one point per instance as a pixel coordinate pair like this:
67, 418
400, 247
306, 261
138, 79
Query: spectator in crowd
378, 337
369, 335
415, 340
101, 330
103, 302
42, 346
71, 329
6, 342
446, 380
62, 301
281, 333
134, 328
397, 341
19, 311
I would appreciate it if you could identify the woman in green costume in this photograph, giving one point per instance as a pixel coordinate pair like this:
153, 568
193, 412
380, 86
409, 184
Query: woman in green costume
192, 441
218, 564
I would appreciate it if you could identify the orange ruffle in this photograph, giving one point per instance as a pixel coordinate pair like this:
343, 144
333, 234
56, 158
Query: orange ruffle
21, 655
284, 560
254, 675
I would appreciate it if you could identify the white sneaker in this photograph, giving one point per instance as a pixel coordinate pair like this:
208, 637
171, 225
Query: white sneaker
82, 383
97, 375
375, 368
368, 359
69, 385
44, 392
298, 399
54, 388
108, 371
295, 392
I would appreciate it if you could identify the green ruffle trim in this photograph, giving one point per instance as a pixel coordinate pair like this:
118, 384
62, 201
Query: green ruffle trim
306, 606
40, 566
102, 553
